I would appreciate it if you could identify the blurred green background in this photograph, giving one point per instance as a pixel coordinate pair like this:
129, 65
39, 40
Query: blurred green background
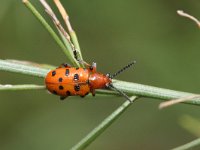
111, 33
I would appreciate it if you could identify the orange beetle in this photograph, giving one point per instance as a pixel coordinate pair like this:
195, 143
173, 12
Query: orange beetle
69, 81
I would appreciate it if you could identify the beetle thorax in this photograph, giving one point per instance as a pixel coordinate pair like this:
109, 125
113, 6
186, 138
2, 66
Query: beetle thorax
99, 80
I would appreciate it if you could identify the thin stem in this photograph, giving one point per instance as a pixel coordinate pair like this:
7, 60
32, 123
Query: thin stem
190, 124
49, 29
23, 69
72, 33
189, 145
127, 87
47, 66
152, 92
176, 101
64, 35
88, 139
183, 14
7, 87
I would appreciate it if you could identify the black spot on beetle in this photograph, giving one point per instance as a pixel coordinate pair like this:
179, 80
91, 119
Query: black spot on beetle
61, 87
77, 87
77, 68
88, 82
67, 72
68, 93
53, 73
76, 77
60, 79
62, 97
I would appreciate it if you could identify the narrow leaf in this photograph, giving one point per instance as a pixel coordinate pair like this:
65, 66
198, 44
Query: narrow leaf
9, 87
102, 126
23, 69
49, 29
189, 145
127, 87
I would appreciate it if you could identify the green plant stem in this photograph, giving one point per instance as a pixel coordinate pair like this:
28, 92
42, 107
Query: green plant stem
128, 87
152, 92
72, 33
189, 145
47, 66
66, 43
8, 87
23, 69
50, 30
88, 139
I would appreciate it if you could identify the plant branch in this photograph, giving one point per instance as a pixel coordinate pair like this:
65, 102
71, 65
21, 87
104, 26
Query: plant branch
177, 101
128, 87
64, 35
88, 139
72, 33
153, 92
50, 30
7, 87
183, 14
23, 68
189, 145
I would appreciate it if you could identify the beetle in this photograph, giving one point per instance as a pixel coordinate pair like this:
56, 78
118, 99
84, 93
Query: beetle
71, 81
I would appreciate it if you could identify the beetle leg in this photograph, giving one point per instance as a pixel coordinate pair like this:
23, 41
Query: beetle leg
93, 92
63, 97
82, 96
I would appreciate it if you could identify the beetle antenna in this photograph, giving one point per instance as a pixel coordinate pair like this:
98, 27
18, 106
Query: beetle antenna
120, 92
123, 69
